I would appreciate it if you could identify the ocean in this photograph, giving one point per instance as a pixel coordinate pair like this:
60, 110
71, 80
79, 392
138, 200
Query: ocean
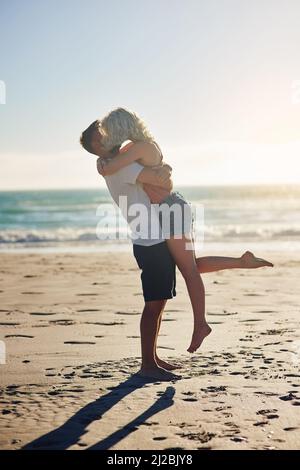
261, 217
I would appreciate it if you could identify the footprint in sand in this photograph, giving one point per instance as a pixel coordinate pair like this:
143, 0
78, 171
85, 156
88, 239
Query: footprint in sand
266, 394
200, 436
273, 344
261, 423
212, 389
87, 294
79, 342
89, 310
251, 320
55, 392
222, 408
32, 293
288, 397
270, 414
19, 336
238, 439
266, 311
225, 314
275, 332
127, 313
62, 322
43, 313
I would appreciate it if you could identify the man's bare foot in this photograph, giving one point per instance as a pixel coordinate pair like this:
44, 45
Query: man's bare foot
200, 332
157, 373
250, 261
166, 365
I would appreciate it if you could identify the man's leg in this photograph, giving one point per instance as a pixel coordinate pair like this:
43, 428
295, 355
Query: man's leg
160, 362
149, 330
206, 264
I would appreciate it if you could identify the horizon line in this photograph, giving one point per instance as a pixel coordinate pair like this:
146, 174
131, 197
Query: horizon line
93, 188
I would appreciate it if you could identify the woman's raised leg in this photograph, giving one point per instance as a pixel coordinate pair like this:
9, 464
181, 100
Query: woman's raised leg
208, 264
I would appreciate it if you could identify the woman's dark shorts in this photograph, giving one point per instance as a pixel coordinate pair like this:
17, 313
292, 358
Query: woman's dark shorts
158, 271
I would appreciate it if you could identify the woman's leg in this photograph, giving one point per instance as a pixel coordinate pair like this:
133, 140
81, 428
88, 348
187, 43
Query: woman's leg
186, 263
207, 264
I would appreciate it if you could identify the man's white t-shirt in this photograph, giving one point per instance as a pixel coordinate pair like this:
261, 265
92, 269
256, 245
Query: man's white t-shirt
135, 205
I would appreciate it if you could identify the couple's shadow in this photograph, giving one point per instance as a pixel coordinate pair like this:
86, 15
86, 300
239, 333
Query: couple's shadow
70, 432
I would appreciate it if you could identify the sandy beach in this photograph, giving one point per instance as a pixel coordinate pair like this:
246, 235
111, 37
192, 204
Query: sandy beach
70, 323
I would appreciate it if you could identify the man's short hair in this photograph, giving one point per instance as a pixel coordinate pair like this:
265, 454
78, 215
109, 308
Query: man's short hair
87, 135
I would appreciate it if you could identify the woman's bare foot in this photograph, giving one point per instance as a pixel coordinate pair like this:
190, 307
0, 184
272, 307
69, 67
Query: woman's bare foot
157, 373
166, 365
250, 261
200, 332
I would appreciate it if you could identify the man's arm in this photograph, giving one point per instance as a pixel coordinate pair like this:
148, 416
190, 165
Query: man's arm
160, 176
156, 176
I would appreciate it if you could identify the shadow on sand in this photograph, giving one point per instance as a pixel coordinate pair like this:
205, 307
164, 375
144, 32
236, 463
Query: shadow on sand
70, 432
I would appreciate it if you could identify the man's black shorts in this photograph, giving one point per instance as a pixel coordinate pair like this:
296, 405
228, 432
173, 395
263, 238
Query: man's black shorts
158, 271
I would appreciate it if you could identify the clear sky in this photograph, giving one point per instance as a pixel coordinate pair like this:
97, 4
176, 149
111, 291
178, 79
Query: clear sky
217, 82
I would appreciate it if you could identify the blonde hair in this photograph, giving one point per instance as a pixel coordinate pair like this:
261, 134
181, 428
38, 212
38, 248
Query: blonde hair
122, 124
